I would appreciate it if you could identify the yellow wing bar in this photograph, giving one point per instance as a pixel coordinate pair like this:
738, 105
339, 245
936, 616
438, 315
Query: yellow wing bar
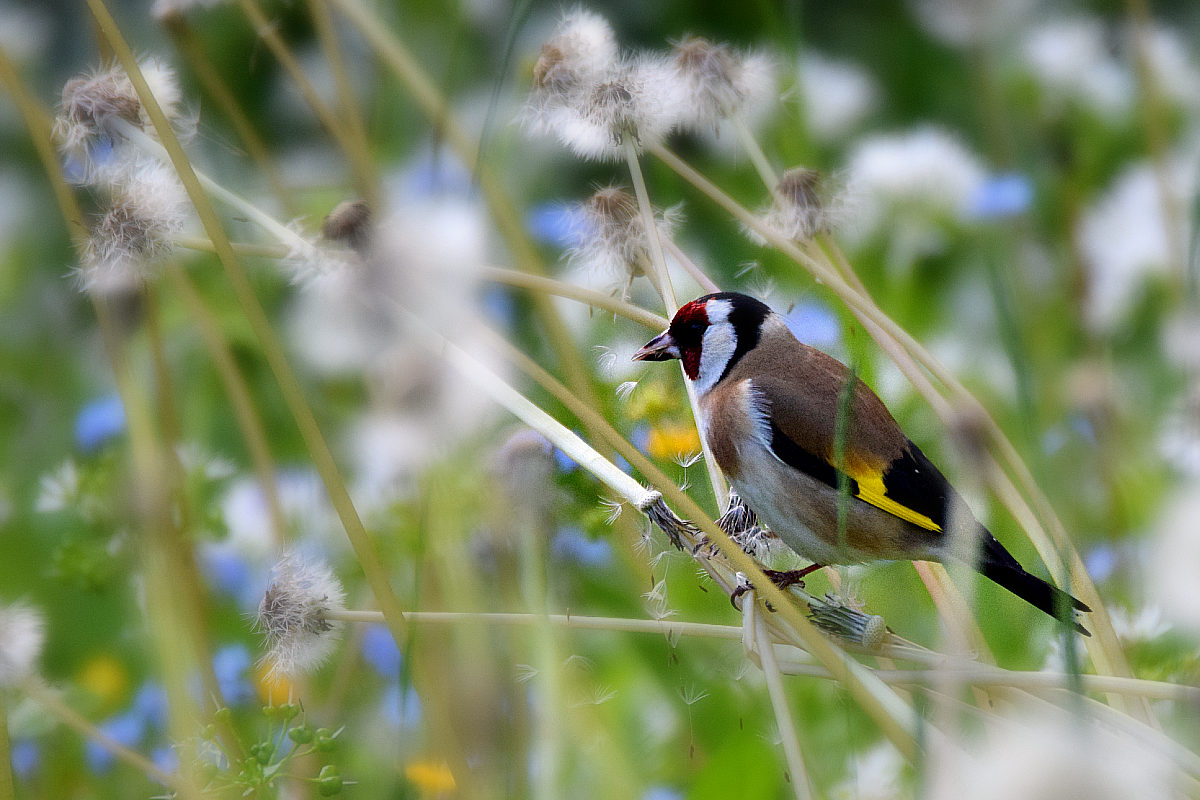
872, 490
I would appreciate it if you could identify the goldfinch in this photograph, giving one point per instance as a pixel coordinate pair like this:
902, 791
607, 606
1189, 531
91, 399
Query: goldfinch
769, 409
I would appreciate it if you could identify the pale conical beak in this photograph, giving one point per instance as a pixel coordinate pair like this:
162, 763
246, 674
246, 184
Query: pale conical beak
660, 348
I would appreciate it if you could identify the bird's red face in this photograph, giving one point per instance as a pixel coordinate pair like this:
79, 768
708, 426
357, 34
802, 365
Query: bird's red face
708, 335
684, 339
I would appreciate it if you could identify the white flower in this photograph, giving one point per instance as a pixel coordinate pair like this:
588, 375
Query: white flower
873, 776
923, 175
969, 22
58, 490
1172, 67
837, 95
1124, 237
294, 615
1174, 561
22, 634
163, 10
1031, 757
1073, 62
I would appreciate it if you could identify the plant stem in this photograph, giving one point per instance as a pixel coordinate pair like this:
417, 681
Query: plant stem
553, 286
800, 779
310, 431
244, 411
716, 479
48, 700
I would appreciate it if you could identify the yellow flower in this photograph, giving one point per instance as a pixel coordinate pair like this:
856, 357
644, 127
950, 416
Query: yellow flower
433, 778
104, 676
273, 689
672, 439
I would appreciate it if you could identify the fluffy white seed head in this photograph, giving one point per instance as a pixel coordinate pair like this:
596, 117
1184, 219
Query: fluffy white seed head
137, 230
801, 207
613, 240
590, 98
717, 81
22, 634
92, 102
293, 615
582, 50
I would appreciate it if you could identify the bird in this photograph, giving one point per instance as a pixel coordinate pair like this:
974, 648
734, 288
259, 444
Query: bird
770, 409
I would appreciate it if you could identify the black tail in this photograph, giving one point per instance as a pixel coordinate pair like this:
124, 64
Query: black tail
998, 565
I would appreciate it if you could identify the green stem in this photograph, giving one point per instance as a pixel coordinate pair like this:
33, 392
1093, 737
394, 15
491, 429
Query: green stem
212, 83
355, 148
244, 411
293, 395
800, 779
591, 297
8, 786
49, 701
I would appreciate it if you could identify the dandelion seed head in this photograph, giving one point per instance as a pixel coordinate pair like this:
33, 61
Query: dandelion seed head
582, 48
144, 215
613, 240
293, 615
350, 222
90, 103
801, 208
716, 81
22, 635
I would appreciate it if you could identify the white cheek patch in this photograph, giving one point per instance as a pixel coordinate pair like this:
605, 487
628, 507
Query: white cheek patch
720, 342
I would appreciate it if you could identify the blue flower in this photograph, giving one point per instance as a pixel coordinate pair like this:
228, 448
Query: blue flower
556, 224
127, 729
1102, 561
165, 758
26, 758
99, 421
380, 651
150, 704
662, 793
436, 175
232, 665
813, 323
229, 574
401, 711
1007, 194
570, 544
